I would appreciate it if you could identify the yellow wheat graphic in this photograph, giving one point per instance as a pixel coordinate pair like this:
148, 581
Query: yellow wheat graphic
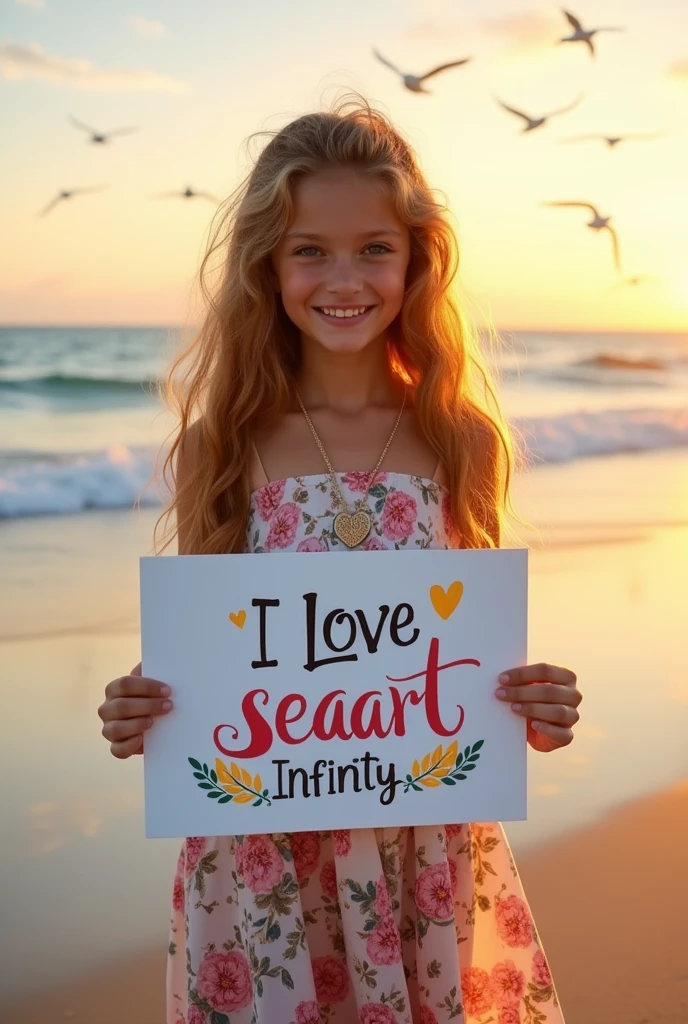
233, 784
443, 767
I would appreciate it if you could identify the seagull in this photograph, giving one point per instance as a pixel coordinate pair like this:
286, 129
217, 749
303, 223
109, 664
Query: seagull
415, 82
598, 223
100, 137
67, 194
583, 35
537, 122
187, 193
611, 140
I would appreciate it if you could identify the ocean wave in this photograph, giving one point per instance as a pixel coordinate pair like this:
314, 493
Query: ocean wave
117, 477
66, 385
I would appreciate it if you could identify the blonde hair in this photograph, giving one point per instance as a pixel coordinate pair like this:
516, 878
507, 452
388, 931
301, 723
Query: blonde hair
237, 373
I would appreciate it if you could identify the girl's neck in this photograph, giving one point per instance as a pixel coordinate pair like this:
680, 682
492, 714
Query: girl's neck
347, 382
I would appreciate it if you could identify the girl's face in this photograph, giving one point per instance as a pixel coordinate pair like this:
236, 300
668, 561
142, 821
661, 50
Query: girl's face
341, 265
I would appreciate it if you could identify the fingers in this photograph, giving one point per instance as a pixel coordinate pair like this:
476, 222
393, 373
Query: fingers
554, 693
126, 748
541, 673
559, 735
121, 708
551, 714
135, 685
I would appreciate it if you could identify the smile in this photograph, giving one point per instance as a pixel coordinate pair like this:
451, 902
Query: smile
340, 317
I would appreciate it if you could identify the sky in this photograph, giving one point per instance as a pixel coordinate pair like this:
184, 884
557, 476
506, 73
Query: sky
197, 79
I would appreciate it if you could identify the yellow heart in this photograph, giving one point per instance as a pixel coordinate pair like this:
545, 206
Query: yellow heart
238, 618
446, 601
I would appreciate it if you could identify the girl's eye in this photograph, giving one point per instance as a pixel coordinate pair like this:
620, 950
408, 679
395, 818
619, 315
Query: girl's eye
311, 250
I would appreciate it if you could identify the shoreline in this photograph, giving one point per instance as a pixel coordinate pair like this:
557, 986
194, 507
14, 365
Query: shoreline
593, 901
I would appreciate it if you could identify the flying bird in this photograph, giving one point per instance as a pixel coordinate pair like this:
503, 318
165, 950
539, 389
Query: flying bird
611, 140
598, 223
583, 35
187, 193
537, 122
100, 137
415, 82
67, 194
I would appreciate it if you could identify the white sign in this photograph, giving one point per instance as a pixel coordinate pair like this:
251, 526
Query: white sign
341, 692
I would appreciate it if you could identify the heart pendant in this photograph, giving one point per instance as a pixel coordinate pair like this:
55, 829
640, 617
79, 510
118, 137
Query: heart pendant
352, 529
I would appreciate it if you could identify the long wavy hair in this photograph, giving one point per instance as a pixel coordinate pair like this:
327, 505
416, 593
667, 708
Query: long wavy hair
237, 373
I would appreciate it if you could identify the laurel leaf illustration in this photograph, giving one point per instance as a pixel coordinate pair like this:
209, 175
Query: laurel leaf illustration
235, 770
436, 754
425, 763
415, 769
221, 769
258, 784
430, 781
245, 777
244, 797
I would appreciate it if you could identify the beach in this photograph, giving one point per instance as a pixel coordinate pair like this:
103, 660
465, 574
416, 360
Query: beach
601, 854
85, 898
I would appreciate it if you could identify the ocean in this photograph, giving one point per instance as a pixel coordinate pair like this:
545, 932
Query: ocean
80, 421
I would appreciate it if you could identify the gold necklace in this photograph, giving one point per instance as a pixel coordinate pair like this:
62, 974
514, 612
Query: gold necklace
351, 528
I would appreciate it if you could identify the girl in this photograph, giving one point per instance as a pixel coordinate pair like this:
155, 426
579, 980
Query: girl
333, 374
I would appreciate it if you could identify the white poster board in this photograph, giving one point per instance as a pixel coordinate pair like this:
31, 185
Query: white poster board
341, 692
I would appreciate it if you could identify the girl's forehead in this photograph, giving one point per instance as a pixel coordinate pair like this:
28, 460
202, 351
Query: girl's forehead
344, 200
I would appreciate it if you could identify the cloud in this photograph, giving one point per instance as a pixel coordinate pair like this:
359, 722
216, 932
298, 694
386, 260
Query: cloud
18, 63
524, 30
678, 71
145, 27
38, 5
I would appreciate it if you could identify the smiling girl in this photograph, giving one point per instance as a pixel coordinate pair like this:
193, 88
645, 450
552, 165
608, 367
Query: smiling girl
334, 401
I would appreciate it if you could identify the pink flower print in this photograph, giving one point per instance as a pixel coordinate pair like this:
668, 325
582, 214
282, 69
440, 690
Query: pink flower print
260, 863
453, 874
178, 900
195, 1015
376, 1013
508, 983
453, 830
331, 979
374, 544
283, 526
383, 945
476, 991
195, 848
514, 923
268, 499
311, 544
360, 482
328, 880
224, 980
427, 1016
541, 972
433, 893
341, 839
305, 849
383, 903
307, 1012
509, 1015
399, 515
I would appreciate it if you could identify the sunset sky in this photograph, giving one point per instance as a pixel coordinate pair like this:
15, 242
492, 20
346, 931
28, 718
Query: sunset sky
197, 79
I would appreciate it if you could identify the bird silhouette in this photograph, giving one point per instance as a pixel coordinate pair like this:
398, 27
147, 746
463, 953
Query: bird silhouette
100, 138
415, 82
537, 122
583, 35
67, 194
611, 140
598, 223
187, 193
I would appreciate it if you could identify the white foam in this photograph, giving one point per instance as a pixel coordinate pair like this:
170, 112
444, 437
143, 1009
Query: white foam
115, 478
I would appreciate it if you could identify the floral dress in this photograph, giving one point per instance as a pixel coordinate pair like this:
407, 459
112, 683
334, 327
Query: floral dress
419, 925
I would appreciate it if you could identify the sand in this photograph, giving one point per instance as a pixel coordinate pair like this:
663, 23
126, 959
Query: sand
610, 901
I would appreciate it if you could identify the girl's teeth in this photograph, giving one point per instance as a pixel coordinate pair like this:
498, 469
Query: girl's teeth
343, 312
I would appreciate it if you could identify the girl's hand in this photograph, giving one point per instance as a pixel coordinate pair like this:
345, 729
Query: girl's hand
128, 709
547, 697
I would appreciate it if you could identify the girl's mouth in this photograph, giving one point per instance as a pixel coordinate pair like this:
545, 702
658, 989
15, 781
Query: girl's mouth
343, 318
